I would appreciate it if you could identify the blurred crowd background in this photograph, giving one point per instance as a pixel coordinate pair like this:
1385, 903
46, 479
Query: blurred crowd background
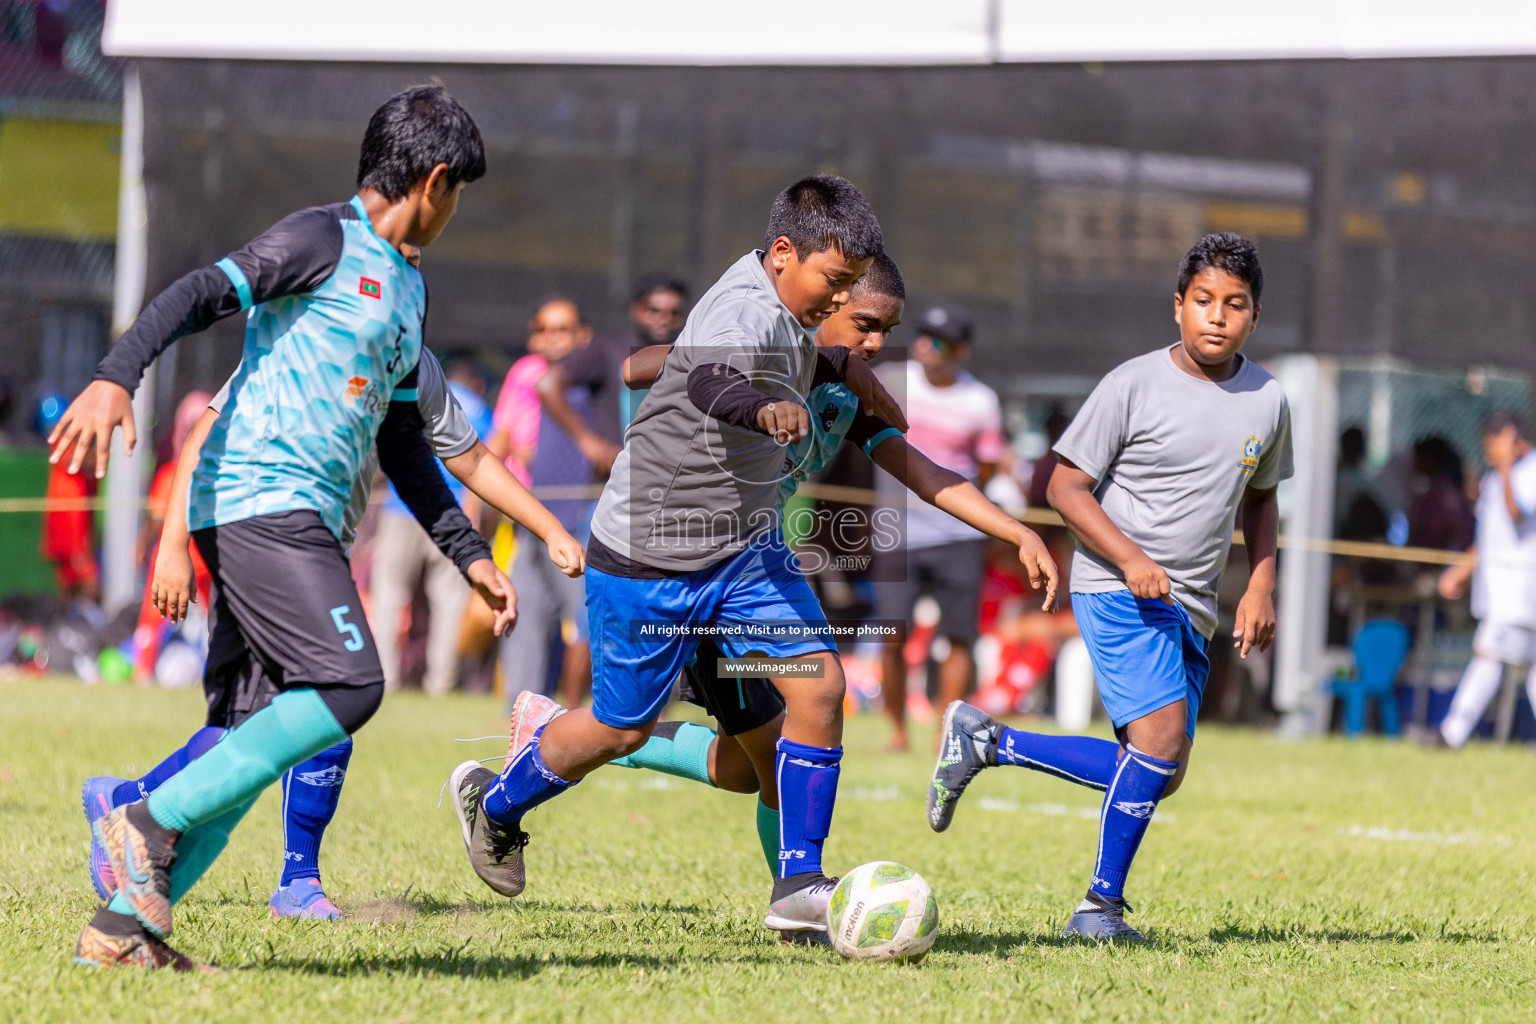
1394, 204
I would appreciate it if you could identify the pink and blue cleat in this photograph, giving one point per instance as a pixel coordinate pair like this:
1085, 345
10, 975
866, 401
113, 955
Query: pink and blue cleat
530, 713
304, 898
96, 799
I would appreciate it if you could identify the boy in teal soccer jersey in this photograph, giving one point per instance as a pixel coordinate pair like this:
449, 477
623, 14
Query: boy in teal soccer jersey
749, 711
1171, 450
333, 336
235, 685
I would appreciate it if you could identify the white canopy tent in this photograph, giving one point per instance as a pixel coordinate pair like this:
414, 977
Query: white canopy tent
894, 33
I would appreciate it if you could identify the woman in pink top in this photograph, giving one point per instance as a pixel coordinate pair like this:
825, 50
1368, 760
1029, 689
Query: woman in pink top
551, 335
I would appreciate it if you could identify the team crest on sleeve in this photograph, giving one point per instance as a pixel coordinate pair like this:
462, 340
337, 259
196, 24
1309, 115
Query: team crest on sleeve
1251, 448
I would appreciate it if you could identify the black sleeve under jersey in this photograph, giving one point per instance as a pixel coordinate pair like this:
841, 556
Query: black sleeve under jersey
717, 390
294, 256
831, 365
407, 460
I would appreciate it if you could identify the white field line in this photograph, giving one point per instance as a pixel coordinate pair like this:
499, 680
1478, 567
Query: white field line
1401, 835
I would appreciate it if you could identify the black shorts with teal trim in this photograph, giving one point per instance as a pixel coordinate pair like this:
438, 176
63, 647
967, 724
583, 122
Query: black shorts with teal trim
736, 705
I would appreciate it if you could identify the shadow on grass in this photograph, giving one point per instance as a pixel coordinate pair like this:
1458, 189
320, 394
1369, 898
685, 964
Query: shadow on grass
1001, 943
1264, 934
457, 964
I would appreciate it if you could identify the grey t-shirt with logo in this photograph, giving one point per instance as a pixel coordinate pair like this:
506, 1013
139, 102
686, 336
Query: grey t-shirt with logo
689, 490
1172, 455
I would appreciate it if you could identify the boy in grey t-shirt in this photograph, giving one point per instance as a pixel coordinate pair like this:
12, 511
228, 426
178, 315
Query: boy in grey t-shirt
1170, 452
685, 534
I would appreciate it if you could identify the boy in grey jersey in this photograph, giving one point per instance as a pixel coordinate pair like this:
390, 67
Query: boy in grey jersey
1170, 452
685, 534
236, 686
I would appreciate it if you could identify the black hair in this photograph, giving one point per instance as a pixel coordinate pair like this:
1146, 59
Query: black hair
412, 133
658, 281
822, 213
461, 362
1503, 420
1351, 446
1224, 251
1437, 458
883, 278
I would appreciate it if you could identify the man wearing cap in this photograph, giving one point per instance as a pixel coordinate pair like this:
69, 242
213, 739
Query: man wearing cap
956, 421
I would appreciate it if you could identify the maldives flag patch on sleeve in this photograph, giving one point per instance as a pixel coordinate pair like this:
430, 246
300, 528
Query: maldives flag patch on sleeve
369, 287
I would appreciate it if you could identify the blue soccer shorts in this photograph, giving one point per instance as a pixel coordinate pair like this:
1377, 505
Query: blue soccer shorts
1146, 654
644, 631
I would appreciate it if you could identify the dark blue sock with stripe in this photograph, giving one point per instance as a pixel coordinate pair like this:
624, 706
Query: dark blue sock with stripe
138, 789
523, 785
1132, 796
311, 791
1085, 760
807, 781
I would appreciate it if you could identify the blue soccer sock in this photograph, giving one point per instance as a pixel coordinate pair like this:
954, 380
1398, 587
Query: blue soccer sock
523, 785
1085, 760
1129, 802
311, 791
807, 783
680, 749
137, 789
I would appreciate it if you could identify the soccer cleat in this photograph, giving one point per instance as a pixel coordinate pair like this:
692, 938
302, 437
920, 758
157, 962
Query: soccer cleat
304, 898
530, 713
967, 744
141, 853
1102, 919
495, 851
96, 799
96, 948
800, 914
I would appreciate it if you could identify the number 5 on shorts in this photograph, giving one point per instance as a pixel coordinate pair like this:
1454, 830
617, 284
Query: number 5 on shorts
347, 629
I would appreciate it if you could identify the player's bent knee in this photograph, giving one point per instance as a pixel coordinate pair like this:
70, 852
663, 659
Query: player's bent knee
353, 706
623, 742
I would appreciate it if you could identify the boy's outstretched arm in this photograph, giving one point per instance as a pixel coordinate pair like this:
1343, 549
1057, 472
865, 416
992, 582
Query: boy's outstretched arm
643, 367
490, 480
407, 460
1260, 518
295, 255
948, 490
172, 588
1070, 492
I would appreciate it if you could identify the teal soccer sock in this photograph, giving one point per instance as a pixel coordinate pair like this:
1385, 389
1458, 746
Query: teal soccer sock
768, 835
196, 851
680, 749
295, 726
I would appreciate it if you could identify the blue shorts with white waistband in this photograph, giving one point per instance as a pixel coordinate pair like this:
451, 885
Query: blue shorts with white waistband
636, 658
1146, 654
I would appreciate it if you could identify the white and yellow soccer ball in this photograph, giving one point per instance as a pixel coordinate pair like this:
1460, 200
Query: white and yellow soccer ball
883, 911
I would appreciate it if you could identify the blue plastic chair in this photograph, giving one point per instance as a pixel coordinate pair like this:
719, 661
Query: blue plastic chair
1380, 649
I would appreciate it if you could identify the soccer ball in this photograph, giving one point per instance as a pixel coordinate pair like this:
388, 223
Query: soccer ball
883, 911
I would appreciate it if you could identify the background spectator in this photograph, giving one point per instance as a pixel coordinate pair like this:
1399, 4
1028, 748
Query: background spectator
956, 421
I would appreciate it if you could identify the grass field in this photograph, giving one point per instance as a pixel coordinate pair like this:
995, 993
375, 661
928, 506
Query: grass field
1346, 881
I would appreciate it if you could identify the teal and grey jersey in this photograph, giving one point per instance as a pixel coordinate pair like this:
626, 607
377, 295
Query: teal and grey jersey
333, 335
835, 415
447, 429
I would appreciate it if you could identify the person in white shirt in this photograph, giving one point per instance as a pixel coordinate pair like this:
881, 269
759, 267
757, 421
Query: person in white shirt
1501, 569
